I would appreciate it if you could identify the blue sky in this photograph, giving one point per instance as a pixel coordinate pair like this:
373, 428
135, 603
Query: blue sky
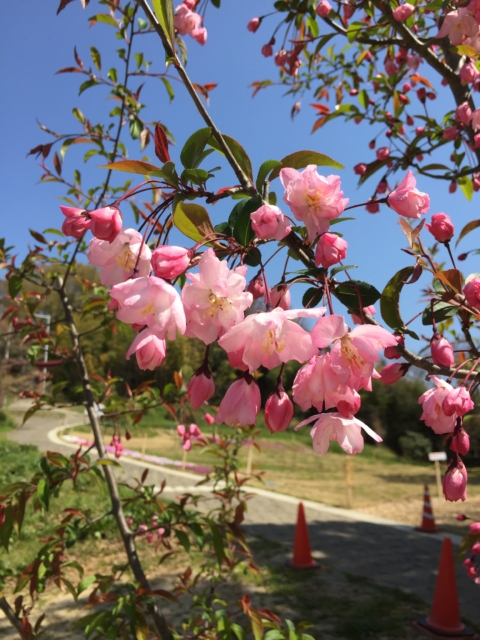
37, 43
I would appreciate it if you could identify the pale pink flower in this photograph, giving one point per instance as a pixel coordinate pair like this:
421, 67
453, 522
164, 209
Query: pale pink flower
105, 223
354, 351
278, 411
75, 223
463, 113
472, 292
317, 383
169, 262
201, 387
150, 301
280, 297
391, 353
253, 24
390, 67
149, 348
192, 432
188, 22
414, 61
458, 25
469, 73
394, 372
403, 12
323, 8
474, 8
476, 120
455, 482
271, 338
313, 199
458, 401
240, 404
442, 351
269, 223
330, 250
460, 442
215, 299
370, 311
433, 414
441, 227
333, 426
408, 201
118, 259
450, 133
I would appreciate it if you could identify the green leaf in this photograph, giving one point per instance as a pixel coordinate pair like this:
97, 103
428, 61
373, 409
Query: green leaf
6, 528
263, 172
253, 257
191, 154
14, 284
466, 185
237, 151
301, 159
338, 220
105, 19
96, 58
85, 583
192, 220
349, 292
169, 88
79, 115
164, 12
274, 634
43, 493
441, 311
363, 98
238, 631
197, 176
217, 541
336, 270
390, 299
353, 30
183, 539
86, 85
474, 224
312, 297
132, 166
239, 219
136, 128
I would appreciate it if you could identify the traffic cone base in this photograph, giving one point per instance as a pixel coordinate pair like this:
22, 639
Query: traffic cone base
302, 555
428, 521
313, 565
425, 627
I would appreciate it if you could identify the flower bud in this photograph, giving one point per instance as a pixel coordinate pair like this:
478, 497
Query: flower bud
323, 8
457, 401
475, 528
280, 297
475, 549
472, 292
372, 206
461, 517
441, 227
241, 403
267, 50
391, 353
442, 351
170, 262
201, 387
269, 223
208, 418
253, 24
360, 169
383, 153
105, 223
278, 411
256, 287
393, 372
455, 481
149, 349
460, 442
330, 250
281, 58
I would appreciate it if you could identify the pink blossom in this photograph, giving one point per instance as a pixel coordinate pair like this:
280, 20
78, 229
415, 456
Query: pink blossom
455, 482
469, 73
253, 24
333, 426
323, 8
281, 58
458, 25
472, 292
394, 372
450, 133
270, 338
458, 401
269, 223
463, 113
209, 419
256, 287
475, 122
150, 301
441, 227
370, 311
201, 387
330, 250
190, 4
442, 351
75, 223
280, 297
475, 549
240, 404
149, 348
390, 67
169, 262
188, 22
106, 223
391, 353
474, 528
360, 169
403, 12
382, 153
317, 383
192, 432
406, 200
215, 299
267, 50
460, 442
118, 259
474, 8
476, 140
414, 61
278, 411
313, 199
433, 414
354, 352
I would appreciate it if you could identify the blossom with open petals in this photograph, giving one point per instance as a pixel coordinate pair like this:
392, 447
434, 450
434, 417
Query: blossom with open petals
313, 199
188, 22
457, 26
317, 383
75, 223
118, 259
269, 223
333, 426
407, 200
270, 338
433, 414
241, 403
215, 299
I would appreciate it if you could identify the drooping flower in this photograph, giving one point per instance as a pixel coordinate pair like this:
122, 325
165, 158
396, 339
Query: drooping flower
201, 387
149, 348
457, 401
253, 24
271, 338
118, 259
442, 351
408, 201
432, 401
169, 262
269, 223
192, 432
441, 227
278, 411
455, 481
105, 223
460, 442
391, 353
330, 250
463, 113
394, 372
241, 403
280, 297
317, 383
215, 299
313, 199
469, 73
75, 223
472, 292
150, 301
333, 426
256, 287
188, 22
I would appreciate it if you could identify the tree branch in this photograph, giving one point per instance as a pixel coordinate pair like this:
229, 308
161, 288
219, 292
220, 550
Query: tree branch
10, 614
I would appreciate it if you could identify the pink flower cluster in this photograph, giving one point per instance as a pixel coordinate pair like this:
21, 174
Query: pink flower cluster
462, 26
188, 22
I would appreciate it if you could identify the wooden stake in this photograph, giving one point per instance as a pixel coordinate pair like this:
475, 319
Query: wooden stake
249, 460
348, 480
439, 478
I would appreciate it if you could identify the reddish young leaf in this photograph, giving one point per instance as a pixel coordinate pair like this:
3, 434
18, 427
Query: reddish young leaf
57, 164
62, 5
161, 144
321, 108
77, 58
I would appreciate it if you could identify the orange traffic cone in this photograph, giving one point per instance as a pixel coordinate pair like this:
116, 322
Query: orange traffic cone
428, 521
302, 555
444, 619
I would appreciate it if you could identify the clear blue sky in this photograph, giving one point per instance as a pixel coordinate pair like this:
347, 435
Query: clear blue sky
35, 43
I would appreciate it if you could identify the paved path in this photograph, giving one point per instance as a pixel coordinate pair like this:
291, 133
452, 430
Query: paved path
389, 553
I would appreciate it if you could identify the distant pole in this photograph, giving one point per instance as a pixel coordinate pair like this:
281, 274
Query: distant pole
47, 317
348, 480
439, 478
